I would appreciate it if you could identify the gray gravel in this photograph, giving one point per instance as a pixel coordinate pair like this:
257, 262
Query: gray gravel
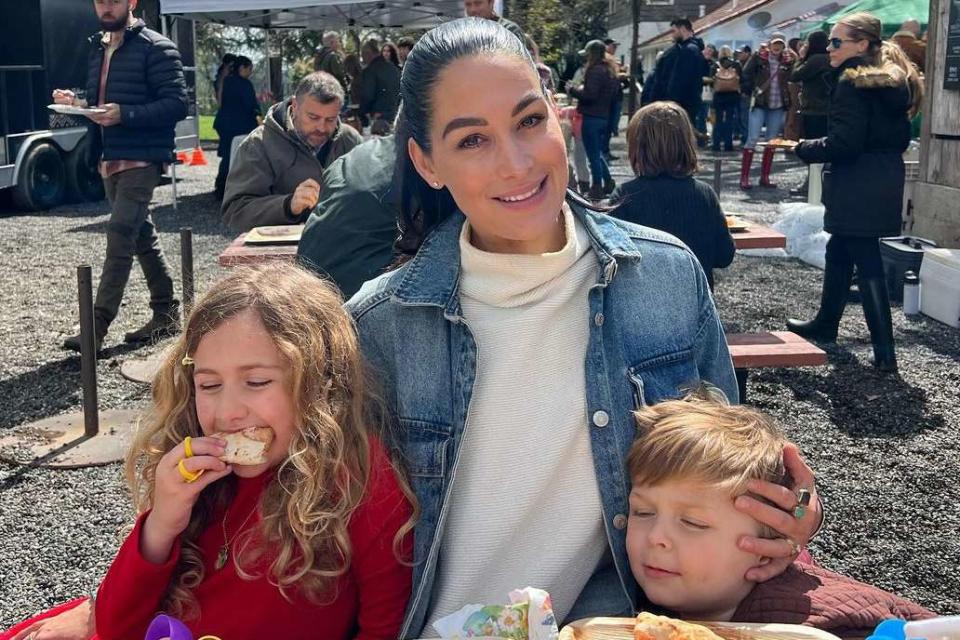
885, 448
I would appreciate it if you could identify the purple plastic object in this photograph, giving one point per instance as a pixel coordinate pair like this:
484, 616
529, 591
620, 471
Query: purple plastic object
164, 626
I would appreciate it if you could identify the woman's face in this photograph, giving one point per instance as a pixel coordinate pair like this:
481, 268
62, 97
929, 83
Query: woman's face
245, 72
848, 47
498, 148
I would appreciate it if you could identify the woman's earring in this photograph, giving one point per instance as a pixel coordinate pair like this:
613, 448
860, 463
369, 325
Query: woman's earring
436, 185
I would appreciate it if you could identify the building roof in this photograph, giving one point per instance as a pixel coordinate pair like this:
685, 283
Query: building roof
724, 13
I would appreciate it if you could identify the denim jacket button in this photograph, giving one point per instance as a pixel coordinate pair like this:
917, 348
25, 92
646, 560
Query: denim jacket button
601, 419
620, 521
598, 319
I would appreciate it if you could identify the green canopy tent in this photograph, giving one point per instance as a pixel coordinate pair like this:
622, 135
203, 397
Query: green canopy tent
892, 13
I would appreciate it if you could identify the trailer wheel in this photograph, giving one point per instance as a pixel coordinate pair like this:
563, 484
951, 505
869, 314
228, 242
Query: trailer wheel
84, 183
40, 184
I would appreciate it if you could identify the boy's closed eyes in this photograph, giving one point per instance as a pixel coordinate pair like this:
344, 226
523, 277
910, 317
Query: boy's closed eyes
682, 543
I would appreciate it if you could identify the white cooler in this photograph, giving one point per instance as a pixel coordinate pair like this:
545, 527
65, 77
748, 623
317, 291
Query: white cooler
940, 285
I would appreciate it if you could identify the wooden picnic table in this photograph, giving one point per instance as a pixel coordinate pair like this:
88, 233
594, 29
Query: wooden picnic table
757, 236
238, 253
770, 349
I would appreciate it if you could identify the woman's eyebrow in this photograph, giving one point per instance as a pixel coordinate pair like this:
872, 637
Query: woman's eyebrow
459, 123
525, 102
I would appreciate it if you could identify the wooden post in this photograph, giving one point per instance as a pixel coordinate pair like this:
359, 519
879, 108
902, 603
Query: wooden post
634, 101
88, 352
935, 214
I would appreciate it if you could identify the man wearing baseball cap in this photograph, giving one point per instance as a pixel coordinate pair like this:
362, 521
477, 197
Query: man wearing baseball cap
767, 72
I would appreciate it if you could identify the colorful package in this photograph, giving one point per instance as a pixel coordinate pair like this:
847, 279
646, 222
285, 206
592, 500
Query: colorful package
529, 616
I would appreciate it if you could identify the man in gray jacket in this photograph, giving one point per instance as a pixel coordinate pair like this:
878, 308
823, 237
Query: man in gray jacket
276, 176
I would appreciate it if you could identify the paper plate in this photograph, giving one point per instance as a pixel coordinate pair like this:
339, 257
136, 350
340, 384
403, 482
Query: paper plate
70, 110
735, 224
622, 629
278, 234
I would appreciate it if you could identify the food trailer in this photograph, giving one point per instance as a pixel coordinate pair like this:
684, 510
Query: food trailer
44, 157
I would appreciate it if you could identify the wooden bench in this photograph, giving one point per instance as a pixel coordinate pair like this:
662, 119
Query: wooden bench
238, 253
773, 349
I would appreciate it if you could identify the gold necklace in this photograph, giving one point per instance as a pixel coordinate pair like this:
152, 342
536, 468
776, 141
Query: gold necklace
224, 554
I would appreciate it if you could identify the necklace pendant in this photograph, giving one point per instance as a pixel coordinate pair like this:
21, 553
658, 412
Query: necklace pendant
222, 557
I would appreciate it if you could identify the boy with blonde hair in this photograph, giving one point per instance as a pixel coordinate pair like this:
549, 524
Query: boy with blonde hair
692, 459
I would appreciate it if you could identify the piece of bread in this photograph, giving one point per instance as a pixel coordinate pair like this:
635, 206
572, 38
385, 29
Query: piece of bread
653, 627
247, 447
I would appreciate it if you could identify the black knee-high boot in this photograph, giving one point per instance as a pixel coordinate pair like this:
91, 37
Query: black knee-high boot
876, 309
833, 300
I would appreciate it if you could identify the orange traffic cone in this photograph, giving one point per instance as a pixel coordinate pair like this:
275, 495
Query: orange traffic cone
198, 160
183, 158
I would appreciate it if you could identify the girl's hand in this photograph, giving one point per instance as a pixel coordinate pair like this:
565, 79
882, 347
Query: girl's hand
796, 531
73, 624
173, 496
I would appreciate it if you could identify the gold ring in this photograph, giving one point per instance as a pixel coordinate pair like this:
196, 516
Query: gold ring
187, 448
186, 475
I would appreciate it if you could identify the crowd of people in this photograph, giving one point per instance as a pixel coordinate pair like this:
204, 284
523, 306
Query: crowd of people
782, 90
380, 503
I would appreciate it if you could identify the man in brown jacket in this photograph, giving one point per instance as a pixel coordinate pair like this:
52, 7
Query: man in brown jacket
277, 174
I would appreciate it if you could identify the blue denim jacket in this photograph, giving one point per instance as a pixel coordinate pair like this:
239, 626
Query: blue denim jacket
654, 332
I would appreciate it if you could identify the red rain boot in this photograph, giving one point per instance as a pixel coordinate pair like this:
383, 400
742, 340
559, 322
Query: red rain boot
765, 166
745, 161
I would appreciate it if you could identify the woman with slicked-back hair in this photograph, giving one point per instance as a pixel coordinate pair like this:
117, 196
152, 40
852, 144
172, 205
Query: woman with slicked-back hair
516, 339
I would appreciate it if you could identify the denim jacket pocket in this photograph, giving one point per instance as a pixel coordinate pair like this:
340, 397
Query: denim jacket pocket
425, 447
663, 377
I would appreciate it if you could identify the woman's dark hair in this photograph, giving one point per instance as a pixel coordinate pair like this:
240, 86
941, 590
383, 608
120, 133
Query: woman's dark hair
240, 62
422, 207
392, 54
228, 64
816, 43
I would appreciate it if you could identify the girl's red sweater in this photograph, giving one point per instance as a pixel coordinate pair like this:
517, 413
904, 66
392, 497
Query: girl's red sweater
369, 602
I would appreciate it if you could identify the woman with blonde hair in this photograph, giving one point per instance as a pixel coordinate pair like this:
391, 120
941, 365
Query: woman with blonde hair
876, 93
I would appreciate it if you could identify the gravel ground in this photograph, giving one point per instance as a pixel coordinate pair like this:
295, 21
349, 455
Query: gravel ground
885, 448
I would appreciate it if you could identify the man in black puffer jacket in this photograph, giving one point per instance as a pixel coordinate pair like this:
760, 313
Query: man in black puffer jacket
679, 73
136, 78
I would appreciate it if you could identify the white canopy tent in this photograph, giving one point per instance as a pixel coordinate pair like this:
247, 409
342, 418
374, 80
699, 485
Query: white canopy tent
317, 14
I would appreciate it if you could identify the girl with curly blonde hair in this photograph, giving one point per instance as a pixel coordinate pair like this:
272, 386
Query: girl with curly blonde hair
313, 538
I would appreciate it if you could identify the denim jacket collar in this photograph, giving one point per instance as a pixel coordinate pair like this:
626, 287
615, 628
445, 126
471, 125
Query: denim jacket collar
432, 277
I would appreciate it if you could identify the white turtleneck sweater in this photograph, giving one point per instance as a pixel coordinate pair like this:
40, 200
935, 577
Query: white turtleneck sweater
525, 508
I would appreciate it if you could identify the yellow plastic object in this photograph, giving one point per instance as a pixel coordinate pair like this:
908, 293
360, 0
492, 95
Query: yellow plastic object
187, 476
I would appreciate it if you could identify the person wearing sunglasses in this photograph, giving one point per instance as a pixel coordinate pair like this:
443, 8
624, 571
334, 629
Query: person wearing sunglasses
876, 93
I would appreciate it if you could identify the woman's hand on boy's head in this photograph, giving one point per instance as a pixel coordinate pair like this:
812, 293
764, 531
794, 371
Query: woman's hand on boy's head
797, 532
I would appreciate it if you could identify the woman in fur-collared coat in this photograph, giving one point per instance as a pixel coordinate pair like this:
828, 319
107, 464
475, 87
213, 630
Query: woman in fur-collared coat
877, 91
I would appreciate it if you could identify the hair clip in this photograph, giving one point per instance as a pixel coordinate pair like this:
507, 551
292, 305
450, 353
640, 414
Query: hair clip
187, 361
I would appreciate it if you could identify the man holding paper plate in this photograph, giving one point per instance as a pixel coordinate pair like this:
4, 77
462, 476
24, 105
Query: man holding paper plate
135, 96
